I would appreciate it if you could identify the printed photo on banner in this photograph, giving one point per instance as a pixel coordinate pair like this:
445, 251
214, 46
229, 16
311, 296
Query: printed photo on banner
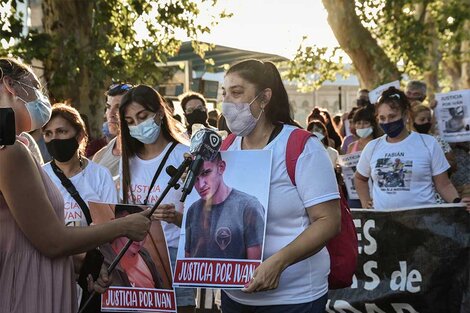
348, 163
453, 115
224, 222
142, 280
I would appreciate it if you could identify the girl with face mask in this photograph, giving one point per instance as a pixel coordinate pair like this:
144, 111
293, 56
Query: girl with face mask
34, 241
403, 165
66, 138
296, 264
317, 128
421, 121
150, 136
366, 128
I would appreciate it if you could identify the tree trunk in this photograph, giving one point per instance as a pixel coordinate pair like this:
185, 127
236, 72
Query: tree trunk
68, 72
370, 61
433, 57
465, 49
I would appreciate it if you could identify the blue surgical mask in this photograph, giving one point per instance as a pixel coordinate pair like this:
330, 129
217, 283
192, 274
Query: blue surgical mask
146, 132
393, 129
39, 110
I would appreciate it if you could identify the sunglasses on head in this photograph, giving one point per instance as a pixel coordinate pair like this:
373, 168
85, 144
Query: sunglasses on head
120, 86
392, 96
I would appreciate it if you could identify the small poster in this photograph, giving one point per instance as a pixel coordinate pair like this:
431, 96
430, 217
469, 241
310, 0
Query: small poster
377, 92
223, 232
453, 115
348, 163
142, 280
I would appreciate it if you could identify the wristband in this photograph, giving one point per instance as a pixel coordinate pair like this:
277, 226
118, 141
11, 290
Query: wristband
457, 200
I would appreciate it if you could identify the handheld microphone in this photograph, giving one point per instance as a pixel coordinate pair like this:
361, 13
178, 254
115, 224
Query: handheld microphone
205, 144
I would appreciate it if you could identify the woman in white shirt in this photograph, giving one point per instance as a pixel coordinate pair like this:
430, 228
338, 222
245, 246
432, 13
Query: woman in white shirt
66, 138
149, 137
300, 219
403, 165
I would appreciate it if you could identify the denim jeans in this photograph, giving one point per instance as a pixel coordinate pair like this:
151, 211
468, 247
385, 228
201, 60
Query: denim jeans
316, 306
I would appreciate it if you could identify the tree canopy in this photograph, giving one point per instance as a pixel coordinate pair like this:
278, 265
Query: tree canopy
385, 39
85, 45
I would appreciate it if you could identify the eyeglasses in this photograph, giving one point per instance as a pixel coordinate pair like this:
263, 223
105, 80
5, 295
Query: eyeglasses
120, 87
392, 96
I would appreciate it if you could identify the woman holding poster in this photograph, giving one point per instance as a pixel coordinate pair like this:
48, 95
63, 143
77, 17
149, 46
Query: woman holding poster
36, 273
403, 165
301, 218
151, 142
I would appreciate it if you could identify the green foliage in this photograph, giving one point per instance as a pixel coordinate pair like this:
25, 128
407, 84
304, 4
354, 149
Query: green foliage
415, 34
314, 65
122, 40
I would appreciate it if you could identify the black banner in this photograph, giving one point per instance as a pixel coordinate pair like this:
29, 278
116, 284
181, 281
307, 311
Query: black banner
414, 260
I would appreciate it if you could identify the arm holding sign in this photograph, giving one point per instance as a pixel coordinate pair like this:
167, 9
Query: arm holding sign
27, 199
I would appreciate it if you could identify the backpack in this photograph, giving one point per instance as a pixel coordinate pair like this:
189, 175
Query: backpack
343, 248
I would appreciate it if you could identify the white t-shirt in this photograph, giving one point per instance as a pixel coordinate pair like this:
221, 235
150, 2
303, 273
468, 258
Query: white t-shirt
142, 172
94, 183
287, 218
333, 155
402, 172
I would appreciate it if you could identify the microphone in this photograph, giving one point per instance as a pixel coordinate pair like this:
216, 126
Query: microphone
205, 144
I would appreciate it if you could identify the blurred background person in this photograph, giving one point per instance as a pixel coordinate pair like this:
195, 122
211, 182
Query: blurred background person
317, 128
213, 117
195, 110
366, 127
348, 126
110, 155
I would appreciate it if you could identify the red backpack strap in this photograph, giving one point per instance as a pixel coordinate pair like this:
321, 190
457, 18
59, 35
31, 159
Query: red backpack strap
295, 145
227, 142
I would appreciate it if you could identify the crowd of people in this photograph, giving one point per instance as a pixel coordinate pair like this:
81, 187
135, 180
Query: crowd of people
53, 170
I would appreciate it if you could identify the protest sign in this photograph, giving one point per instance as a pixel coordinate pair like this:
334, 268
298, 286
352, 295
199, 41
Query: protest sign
377, 92
222, 238
410, 260
348, 163
142, 280
453, 115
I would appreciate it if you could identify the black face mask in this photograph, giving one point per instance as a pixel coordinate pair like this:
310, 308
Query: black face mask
62, 150
197, 117
423, 128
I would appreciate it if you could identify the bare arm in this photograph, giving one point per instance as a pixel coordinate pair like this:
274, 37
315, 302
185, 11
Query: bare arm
28, 202
325, 219
362, 188
444, 187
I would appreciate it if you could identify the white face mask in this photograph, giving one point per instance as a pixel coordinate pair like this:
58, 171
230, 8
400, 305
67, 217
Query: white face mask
39, 110
320, 136
239, 118
146, 132
364, 132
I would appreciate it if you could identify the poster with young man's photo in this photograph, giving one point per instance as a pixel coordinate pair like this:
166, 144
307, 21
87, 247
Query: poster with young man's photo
224, 222
142, 280
453, 115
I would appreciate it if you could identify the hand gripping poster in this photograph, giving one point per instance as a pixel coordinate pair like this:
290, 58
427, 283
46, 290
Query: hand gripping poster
453, 115
142, 280
348, 163
224, 223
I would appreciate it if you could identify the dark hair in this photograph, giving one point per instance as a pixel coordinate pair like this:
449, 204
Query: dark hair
337, 119
396, 99
315, 115
74, 118
332, 133
352, 112
191, 95
265, 75
321, 125
368, 115
151, 100
118, 89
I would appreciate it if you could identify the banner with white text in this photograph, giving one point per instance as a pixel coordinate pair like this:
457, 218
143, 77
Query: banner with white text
410, 260
222, 238
142, 280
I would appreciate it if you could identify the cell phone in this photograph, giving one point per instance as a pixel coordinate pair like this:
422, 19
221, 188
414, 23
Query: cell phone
91, 265
7, 126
